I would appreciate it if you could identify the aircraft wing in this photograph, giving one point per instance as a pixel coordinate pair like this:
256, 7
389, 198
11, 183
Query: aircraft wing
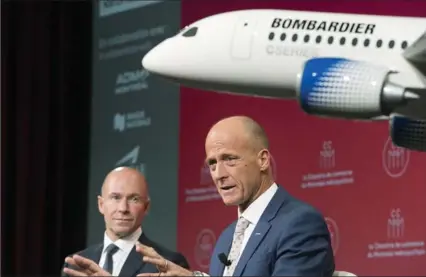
416, 54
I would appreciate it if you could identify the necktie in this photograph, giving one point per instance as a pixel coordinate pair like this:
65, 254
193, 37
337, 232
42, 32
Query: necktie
237, 242
110, 250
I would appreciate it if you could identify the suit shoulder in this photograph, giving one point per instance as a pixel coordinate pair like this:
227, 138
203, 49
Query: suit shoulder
299, 211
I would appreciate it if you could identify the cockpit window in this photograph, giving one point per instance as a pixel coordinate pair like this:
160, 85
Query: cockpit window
191, 32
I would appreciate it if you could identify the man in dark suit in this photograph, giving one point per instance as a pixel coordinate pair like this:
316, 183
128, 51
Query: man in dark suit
124, 203
275, 234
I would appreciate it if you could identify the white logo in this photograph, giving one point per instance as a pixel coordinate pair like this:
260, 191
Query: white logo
334, 233
206, 177
131, 159
109, 7
327, 155
328, 175
119, 122
204, 247
206, 192
396, 245
129, 81
395, 224
395, 159
131, 120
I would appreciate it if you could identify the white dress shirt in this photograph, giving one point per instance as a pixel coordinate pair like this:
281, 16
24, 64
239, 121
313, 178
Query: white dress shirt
124, 245
253, 214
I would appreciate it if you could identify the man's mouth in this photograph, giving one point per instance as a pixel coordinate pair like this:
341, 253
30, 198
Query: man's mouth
227, 187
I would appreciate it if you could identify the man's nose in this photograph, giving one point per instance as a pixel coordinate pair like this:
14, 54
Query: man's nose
220, 172
123, 205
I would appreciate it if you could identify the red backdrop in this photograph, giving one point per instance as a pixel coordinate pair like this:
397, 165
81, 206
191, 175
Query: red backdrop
371, 193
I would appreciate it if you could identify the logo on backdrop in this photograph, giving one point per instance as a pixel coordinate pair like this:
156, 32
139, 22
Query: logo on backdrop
394, 242
327, 155
131, 120
129, 81
206, 177
395, 159
395, 224
131, 159
334, 233
328, 175
205, 190
204, 247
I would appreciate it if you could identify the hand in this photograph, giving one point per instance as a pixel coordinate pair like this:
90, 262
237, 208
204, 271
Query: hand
165, 267
83, 267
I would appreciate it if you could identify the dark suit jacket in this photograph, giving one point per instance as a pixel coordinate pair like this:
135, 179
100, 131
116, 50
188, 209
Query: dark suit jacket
134, 264
290, 239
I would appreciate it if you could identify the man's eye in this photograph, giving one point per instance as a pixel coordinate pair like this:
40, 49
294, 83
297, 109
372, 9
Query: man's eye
135, 199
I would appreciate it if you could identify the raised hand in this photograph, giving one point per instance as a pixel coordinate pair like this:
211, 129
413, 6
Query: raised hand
83, 267
164, 267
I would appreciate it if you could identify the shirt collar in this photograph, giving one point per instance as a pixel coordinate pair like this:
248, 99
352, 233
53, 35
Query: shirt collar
125, 244
256, 209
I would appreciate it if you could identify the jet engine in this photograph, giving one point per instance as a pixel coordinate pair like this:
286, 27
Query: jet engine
350, 89
408, 133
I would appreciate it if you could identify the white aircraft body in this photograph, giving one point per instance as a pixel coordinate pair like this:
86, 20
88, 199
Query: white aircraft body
336, 65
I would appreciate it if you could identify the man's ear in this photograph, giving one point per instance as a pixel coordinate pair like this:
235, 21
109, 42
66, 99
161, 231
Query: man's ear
148, 207
101, 204
264, 159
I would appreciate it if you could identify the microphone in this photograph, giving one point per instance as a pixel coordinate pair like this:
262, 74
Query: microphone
224, 260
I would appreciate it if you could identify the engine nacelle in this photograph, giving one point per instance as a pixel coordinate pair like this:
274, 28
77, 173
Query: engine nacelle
408, 133
337, 87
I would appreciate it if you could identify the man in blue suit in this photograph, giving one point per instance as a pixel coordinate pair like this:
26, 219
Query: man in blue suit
275, 234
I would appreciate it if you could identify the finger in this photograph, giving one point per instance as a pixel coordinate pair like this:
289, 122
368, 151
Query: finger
147, 251
72, 272
71, 261
86, 264
155, 261
147, 275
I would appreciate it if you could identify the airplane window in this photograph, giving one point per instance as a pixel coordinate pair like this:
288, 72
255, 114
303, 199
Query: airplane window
283, 36
306, 38
404, 44
354, 41
318, 39
271, 36
366, 42
342, 40
191, 32
294, 37
330, 40
391, 44
379, 43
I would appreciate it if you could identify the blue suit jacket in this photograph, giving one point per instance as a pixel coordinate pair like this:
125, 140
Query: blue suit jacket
290, 239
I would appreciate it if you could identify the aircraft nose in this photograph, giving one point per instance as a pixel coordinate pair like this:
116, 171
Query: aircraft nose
155, 61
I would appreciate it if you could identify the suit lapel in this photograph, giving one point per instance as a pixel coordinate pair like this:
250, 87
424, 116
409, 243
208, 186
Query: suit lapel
134, 262
261, 229
256, 237
94, 253
224, 246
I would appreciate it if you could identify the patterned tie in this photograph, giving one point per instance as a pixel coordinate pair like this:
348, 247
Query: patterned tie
237, 242
110, 250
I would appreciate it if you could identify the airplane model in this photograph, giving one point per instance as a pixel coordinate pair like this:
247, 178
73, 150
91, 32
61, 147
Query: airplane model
346, 66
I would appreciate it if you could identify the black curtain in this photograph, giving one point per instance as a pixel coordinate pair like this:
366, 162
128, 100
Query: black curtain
46, 89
